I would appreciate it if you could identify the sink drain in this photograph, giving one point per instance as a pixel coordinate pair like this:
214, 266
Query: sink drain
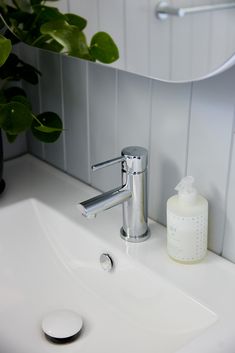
62, 326
106, 262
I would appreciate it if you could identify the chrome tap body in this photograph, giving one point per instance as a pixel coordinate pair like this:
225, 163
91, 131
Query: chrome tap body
132, 194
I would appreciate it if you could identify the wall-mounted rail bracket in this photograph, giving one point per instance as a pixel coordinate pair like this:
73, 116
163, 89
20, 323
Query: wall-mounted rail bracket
164, 10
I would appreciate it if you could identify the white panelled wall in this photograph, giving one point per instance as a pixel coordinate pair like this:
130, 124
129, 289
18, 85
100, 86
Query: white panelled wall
188, 128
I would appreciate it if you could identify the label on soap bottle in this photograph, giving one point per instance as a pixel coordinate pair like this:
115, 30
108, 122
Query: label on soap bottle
186, 237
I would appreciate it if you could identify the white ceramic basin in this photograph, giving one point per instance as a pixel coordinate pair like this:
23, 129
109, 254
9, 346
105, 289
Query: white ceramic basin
49, 259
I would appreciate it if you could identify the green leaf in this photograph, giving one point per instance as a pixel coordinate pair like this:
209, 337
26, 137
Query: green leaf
15, 69
10, 35
22, 5
11, 138
47, 127
3, 5
76, 20
12, 92
39, 42
46, 14
9, 67
3, 99
19, 16
5, 49
51, 45
103, 48
15, 118
55, 46
28, 74
36, 2
22, 100
69, 36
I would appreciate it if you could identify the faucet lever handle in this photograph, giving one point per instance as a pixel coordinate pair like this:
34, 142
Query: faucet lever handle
108, 163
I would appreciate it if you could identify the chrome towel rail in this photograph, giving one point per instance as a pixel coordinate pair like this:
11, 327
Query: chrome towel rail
163, 10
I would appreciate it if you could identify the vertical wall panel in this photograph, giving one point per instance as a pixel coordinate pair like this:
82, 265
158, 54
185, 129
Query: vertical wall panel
200, 40
201, 37
15, 149
50, 86
137, 36
181, 36
209, 145
169, 134
75, 113
111, 20
30, 56
231, 33
133, 110
229, 237
102, 111
220, 22
159, 45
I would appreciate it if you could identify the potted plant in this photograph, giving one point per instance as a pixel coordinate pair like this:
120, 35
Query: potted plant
37, 24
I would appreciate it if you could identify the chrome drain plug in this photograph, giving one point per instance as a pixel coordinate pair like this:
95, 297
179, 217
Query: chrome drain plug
106, 262
62, 326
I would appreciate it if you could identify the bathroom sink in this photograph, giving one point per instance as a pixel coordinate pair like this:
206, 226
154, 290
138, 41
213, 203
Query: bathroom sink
50, 259
42, 271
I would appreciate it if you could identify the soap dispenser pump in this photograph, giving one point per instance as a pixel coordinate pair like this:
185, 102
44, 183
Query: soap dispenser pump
187, 223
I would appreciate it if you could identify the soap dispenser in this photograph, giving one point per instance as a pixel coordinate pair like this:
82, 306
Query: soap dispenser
187, 223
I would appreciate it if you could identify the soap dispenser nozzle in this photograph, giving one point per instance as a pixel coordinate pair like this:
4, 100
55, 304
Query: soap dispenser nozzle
186, 190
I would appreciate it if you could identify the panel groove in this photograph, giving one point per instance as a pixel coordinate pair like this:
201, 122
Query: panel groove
40, 100
150, 116
124, 36
75, 112
116, 113
88, 125
189, 129
228, 185
63, 115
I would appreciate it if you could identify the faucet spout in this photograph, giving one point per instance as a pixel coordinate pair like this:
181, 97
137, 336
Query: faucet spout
109, 199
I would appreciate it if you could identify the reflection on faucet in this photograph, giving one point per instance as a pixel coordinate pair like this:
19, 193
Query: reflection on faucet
132, 194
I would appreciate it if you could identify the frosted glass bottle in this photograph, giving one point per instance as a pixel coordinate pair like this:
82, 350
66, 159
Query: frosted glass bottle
187, 223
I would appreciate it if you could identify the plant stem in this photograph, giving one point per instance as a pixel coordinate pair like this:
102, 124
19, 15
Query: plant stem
37, 120
37, 40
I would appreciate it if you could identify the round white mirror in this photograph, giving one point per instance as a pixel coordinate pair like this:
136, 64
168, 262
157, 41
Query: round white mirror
177, 40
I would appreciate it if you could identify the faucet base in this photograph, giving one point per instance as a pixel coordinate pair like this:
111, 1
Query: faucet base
135, 239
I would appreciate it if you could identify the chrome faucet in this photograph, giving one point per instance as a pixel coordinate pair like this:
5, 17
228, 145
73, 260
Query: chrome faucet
132, 194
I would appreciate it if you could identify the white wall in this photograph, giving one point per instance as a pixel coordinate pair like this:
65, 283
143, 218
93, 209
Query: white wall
187, 128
